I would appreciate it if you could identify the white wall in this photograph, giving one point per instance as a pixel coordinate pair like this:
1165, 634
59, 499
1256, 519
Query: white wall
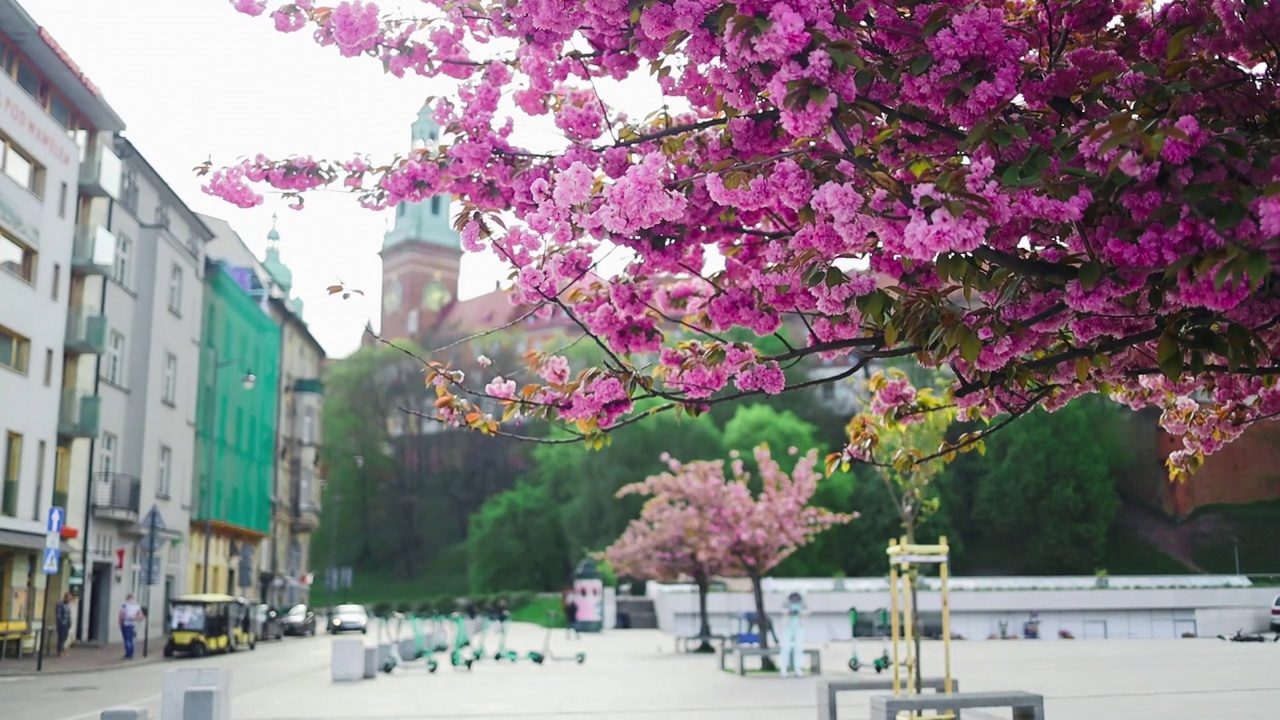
30, 407
976, 614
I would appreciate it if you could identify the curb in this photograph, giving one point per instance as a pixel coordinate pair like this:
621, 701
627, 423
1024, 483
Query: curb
118, 665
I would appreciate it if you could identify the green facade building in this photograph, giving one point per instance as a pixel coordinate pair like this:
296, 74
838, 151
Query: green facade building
236, 430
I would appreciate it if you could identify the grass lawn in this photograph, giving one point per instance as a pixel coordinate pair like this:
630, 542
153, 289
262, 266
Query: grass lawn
1257, 529
538, 612
1128, 554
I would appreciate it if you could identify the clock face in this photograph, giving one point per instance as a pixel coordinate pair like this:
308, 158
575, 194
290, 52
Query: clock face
435, 296
394, 296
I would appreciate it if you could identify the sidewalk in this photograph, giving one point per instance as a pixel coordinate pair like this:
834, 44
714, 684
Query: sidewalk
81, 658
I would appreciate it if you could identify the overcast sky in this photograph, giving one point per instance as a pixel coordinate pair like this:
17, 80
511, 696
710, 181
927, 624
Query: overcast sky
194, 78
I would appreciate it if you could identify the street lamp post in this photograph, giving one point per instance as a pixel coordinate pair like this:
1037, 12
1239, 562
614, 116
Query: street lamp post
249, 381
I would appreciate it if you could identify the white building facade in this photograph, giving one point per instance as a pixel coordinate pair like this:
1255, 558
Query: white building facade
146, 381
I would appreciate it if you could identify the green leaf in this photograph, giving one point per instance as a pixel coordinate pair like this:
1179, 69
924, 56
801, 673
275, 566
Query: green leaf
970, 345
921, 65
1169, 355
1177, 42
1012, 176
1090, 275
890, 335
920, 167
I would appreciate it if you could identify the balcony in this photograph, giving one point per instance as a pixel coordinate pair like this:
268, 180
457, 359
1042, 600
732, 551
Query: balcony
304, 512
94, 250
78, 414
309, 385
116, 496
86, 332
100, 169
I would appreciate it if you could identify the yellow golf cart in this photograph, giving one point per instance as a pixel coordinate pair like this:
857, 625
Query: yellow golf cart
208, 623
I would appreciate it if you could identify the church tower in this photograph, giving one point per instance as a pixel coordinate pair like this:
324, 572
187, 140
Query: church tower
421, 256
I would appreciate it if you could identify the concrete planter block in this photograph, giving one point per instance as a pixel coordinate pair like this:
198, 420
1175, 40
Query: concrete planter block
178, 681
370, 663
408, 649
346, 662
200, 703
123, 714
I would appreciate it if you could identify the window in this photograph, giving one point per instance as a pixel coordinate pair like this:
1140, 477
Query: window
164, 472
14, 350
175, 289
19, 166
107, 456
35, 506
129, 190
120, 269
57, 281
28, 80
162, 215
435, 204
48, 366
62, 201
12, 471
114, 368
60, 111
18, 259
308, 426
170, 390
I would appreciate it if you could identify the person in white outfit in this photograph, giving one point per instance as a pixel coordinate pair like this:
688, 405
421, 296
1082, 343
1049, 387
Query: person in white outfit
793, 635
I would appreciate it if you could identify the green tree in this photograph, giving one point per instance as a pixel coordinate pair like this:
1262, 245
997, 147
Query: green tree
754, 424
1050, 492
584, 483
512, 545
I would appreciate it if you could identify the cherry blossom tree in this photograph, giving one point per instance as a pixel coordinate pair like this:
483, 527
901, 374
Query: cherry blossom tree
673, 538
1051, 197
744, 534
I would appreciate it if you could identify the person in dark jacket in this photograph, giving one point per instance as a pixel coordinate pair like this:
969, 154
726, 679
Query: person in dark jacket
63, 623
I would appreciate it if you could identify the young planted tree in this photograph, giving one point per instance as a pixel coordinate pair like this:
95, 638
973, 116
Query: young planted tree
1051, 198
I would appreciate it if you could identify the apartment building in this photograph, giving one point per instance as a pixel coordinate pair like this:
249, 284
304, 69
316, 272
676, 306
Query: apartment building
59, 174
239, 377
299, 473
150, 299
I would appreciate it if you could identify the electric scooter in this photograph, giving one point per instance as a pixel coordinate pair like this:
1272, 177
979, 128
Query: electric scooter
503, 653
879, 664
477, 650
461, 642
540, 657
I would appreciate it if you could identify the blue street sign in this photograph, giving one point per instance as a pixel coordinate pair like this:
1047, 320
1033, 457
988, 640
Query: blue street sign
57, 518
50, 565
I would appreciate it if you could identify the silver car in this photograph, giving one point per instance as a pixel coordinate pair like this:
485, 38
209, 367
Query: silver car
349, 618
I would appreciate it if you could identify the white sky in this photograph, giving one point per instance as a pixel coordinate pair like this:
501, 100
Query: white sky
194, 78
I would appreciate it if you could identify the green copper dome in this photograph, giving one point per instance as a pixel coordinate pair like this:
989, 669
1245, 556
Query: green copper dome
278, 271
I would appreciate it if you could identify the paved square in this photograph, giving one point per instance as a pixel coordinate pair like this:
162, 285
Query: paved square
635, 675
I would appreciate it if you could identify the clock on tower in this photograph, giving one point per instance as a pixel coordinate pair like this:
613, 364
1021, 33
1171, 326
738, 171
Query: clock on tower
435, 295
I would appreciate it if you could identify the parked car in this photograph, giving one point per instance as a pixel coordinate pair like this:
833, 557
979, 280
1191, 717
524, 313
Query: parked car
270, 624
349, 618
299, 621
1275, 615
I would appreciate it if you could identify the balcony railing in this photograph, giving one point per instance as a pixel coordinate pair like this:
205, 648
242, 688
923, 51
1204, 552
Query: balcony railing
94, 250
101, 169
116, 496
86, 331
309, 385
78, 414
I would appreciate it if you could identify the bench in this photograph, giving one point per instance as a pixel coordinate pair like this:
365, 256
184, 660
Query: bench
815, 657
827, 689
1026, 706
686, 643
13, 630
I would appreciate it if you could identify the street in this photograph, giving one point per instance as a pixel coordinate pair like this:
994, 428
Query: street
635, 675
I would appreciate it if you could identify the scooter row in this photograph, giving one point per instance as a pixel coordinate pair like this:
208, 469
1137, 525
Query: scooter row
463, 653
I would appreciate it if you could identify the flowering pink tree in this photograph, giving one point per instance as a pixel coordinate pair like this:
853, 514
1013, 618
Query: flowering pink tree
745, 534
1052, 198
674, 537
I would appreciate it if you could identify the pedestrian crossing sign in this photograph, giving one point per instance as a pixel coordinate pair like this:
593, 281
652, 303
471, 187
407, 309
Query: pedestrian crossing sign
50, 565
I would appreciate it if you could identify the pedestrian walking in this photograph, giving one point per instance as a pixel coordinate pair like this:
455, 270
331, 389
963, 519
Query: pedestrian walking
62, 620
793, 638
571, 618
130, 613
